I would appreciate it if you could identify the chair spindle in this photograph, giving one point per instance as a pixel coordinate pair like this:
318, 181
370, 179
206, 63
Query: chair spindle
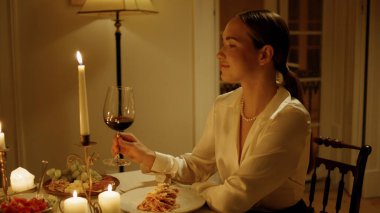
340, 194
326, 191
312, 187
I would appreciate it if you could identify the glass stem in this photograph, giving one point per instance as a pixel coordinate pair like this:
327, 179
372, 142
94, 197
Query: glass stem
119, 156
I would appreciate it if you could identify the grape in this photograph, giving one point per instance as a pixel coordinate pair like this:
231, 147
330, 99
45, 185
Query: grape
77, 182
73, 167
86, 185
75, 174
50, 172
84, 176
57, 173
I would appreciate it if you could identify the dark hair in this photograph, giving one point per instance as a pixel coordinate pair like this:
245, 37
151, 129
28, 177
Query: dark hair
268, 28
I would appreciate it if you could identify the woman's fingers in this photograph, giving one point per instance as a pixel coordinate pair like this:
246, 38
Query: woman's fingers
128, 145
128, 137
115, 146
118, 144
123, 144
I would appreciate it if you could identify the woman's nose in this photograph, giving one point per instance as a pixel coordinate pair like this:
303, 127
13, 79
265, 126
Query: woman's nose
220, 54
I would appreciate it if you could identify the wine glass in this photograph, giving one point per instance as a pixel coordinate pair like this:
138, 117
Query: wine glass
119, 114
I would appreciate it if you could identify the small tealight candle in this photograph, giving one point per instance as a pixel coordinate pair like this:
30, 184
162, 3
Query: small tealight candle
75, 204
21, 180
109, 201
2, 140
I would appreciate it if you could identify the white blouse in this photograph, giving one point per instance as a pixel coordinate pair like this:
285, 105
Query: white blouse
271, 172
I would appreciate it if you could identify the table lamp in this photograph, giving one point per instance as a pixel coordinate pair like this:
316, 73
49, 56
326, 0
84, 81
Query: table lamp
117, 10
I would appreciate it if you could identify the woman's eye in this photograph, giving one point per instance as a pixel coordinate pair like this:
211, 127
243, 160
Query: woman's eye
230, 45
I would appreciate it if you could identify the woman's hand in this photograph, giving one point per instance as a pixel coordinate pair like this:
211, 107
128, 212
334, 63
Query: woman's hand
128, 145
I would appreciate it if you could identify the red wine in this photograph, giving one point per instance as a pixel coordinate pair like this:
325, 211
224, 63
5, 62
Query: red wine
119, 123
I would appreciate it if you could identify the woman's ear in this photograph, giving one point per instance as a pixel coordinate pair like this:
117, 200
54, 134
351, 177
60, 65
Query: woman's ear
266, 54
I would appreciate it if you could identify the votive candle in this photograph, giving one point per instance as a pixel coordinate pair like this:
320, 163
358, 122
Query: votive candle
109, 201
75, 204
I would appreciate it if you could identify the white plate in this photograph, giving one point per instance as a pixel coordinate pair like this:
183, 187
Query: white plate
187, 199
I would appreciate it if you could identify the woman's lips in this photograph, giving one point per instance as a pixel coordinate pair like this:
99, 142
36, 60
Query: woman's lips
224, 66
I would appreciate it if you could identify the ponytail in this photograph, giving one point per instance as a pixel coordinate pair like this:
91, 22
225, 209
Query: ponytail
293, 84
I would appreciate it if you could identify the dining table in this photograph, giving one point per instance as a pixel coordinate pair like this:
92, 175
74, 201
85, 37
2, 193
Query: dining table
129, 182
132, 180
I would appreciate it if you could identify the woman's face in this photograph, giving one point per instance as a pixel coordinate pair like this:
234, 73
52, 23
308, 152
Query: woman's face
238, 57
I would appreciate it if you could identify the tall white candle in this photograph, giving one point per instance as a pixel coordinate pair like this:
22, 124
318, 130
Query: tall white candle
75, 204
2, 140
83, 110
109, 201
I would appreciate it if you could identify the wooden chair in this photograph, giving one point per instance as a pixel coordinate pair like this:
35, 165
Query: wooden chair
357, 172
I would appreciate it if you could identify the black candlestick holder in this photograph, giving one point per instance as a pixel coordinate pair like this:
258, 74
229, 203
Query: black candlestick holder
85, 140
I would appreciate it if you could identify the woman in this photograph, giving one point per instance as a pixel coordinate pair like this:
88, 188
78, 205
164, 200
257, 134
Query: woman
256, 137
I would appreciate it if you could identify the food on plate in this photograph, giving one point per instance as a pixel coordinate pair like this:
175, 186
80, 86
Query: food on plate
161, 199
75, 177
18, 204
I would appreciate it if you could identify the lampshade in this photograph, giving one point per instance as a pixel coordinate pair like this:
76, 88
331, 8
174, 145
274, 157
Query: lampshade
108, 8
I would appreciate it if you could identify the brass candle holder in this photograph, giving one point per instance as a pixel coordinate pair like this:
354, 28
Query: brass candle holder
88, 160
3, 163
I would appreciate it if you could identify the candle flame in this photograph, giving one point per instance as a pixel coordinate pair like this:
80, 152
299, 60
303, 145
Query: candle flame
75, 193
109, 187
79, 58
0, 126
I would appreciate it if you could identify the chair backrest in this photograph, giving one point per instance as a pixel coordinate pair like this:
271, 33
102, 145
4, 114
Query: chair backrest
356, 170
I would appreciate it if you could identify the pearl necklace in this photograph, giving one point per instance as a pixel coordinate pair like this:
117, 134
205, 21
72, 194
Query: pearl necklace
246, 119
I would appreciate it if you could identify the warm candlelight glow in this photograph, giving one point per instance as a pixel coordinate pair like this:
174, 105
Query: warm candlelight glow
79, 58
75, 204
2, 140
109, 200
21, 180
